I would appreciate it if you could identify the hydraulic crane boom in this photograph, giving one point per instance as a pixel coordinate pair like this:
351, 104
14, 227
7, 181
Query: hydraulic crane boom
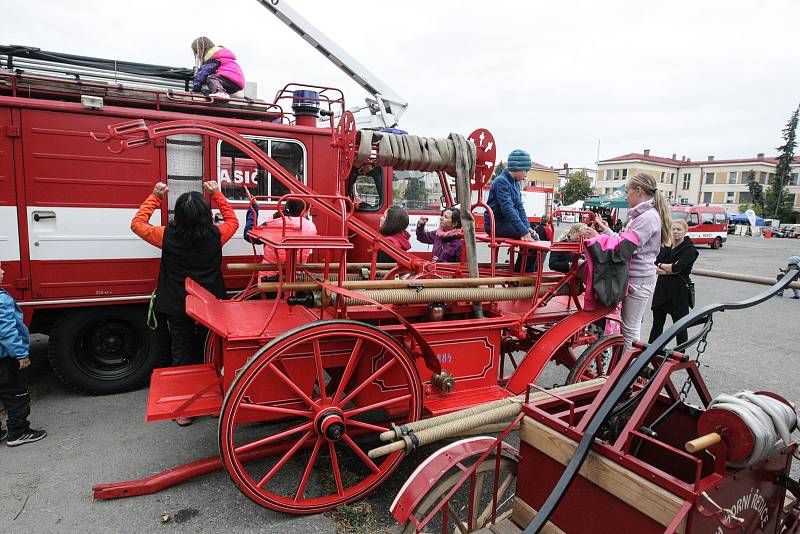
386, 107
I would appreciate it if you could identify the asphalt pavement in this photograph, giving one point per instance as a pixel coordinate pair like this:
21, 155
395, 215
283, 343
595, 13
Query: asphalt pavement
46, 486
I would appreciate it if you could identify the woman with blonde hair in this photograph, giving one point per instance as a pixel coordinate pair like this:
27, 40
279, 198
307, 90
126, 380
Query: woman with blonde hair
673, 289
649, 218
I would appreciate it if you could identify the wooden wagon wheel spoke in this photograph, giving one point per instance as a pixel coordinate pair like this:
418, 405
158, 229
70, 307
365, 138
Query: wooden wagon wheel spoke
288, 381
502, 488
337, 475
276, 410
368, 381
275, 437
356, 449
309, 467
476, 499
382, 404
460, 525
348, 370
320, 371
366, 426
285, 458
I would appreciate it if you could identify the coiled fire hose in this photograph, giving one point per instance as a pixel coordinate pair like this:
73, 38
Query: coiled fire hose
464, 421
753, 426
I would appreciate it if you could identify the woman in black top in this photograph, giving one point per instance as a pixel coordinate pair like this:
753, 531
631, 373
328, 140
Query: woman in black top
671, 295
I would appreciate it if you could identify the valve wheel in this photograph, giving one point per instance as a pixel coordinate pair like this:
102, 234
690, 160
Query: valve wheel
485, 157
342, 379
460, 515
345, 140
599, 359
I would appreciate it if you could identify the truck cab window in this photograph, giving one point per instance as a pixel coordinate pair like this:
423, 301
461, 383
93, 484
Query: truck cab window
693, 219
417, 191
365, 186
236, 171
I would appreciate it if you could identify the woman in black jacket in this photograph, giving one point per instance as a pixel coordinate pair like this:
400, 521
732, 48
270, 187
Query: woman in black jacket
561, 261
671, 295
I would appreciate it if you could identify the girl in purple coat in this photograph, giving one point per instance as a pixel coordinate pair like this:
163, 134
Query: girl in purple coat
216, 69
446, 239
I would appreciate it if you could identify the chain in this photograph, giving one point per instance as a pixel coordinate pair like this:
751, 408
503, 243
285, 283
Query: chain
702, 344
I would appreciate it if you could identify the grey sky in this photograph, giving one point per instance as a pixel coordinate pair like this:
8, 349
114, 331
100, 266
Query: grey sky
691, 77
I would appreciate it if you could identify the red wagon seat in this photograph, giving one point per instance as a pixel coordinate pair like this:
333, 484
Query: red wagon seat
240, 319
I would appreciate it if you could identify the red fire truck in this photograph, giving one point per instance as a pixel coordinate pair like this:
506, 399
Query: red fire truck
66, 202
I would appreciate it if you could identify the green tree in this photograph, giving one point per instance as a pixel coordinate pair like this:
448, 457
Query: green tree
415, 192
779, 205
756, 193
578, 187
498, 169
783, 170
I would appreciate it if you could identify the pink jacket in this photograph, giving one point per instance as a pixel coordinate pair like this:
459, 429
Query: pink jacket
294, 226
227, 65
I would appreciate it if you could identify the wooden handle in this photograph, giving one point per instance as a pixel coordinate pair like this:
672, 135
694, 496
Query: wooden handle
703, 442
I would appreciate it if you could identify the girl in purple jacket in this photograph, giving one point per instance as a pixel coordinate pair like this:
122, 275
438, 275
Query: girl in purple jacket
215, 69
446, 239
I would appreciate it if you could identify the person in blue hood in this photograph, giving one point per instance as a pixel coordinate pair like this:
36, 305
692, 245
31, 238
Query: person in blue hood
505, 199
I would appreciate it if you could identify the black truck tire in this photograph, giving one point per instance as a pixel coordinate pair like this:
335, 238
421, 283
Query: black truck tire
106, 349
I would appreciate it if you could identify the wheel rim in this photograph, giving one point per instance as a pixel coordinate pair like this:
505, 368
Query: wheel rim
458, 509
599, 359
364, 372
108, 349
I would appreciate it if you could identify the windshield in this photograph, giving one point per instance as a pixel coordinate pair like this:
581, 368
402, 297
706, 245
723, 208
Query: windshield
679, 215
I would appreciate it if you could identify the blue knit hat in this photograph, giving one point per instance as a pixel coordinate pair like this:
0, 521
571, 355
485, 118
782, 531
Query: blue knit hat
519, 160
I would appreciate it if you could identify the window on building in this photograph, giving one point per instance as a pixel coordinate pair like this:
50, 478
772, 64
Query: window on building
720, 218
771, 177
745, 197
793, 179
762, 178
730, 197
663, 176
620, 174
672, 177
707, 218
609, 174
707, 197
709, 177
687, 180
791, 198
235, 170
732, 177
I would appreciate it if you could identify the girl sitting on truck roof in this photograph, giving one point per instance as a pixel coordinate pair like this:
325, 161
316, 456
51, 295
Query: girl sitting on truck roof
216, 69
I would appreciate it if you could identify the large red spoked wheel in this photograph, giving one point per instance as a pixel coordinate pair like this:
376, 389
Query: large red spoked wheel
599, 359
485, 157
317, 388
345, 139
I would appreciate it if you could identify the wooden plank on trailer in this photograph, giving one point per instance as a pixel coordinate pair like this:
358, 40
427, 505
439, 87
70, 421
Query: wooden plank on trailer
634, 490
523, 514
505, 526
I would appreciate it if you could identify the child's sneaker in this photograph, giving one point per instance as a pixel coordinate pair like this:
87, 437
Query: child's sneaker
220, 95
3, 434
29, 436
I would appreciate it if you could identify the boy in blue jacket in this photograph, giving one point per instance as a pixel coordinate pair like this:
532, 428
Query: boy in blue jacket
14, 344
505, 200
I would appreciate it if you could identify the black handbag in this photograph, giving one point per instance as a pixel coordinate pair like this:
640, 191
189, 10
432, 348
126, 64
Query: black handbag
690, 287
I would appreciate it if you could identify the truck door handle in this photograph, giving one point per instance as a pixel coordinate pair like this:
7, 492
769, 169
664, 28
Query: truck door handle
38, 217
